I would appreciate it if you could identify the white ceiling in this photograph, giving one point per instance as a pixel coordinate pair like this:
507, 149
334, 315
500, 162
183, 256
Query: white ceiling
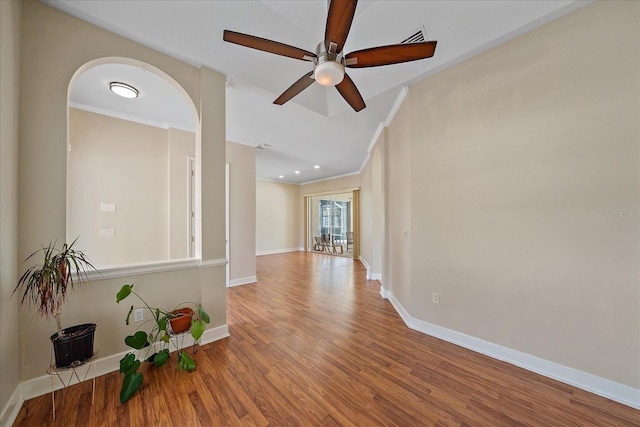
316, 127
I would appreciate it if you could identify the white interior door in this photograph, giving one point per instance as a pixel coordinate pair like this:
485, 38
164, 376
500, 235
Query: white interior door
226, 220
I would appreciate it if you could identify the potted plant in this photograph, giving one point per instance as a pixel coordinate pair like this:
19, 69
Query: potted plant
167, 324
46, 286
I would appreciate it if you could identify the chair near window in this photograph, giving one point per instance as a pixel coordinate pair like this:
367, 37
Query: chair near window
349, 239
318, 244
329, 246
326, 242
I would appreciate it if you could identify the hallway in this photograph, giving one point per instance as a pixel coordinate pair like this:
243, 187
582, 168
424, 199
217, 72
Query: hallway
314, 343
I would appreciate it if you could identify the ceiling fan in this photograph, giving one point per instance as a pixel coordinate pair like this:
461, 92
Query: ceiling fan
329, 61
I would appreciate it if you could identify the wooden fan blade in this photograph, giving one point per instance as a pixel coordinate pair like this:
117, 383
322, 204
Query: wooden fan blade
392, 54
339, 21
350, 93
267, 45
303, 83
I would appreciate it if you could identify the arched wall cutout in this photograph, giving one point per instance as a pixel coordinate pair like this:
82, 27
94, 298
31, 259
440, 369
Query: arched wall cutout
133, 194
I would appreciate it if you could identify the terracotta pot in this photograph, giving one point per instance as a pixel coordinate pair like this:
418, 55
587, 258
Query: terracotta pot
182, 321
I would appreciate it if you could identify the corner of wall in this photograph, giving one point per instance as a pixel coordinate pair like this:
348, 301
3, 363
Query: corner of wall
601, 386
10, 47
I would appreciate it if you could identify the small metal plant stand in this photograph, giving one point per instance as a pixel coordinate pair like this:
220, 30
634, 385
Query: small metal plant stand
66, 376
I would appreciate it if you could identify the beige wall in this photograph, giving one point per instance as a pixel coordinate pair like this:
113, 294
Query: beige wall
515, 175
182, 147
331, 185
242, 212
377, 208
279, 217
372, 210
399, 235
54, 46
211, 164
141, 169
9, 84
125, 163
366, 220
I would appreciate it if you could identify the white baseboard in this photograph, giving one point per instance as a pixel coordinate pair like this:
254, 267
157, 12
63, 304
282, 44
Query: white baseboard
603, 387
386, 294
366, 266
212, 335
11, 409
279, 251
104, 365
370, 274
243, 281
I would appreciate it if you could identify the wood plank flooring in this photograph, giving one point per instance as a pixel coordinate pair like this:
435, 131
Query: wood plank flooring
314, 343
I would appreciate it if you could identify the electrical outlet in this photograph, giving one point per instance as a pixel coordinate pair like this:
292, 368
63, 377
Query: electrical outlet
436, 298
138, 315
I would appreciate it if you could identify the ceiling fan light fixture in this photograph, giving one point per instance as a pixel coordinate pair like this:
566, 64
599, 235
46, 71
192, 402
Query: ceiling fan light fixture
124, 90
329, 73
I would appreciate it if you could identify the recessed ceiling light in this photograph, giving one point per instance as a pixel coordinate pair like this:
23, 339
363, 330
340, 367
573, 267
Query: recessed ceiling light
297, 172
317, 166
123, 89
281, 176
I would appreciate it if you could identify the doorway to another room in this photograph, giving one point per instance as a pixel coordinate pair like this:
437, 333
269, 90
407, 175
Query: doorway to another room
331, 223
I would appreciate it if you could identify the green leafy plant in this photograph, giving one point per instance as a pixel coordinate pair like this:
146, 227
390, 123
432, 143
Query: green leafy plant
148, 342
46, 285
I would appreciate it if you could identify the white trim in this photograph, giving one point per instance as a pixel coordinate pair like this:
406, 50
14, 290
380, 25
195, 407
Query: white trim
42, 385
364, 162
152, 267
330, 178
396, 105
404, 91
279, 251
366, 265
217, 262
376, 135
130, 118
243, 281
601, 386
12, 408
384, 293
324, 193
399, 308
142, 268
370, 274
227, 226
278, 181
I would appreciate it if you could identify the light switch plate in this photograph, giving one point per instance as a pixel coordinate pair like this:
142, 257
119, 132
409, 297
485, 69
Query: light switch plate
107, 207
107, 232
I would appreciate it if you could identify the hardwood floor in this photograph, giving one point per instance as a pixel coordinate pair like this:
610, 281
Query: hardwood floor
314, 343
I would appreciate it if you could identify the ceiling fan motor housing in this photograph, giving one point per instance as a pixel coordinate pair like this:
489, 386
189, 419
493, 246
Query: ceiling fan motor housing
328, 67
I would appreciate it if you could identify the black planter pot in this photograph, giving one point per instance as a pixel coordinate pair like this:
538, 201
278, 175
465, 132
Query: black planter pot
75, 346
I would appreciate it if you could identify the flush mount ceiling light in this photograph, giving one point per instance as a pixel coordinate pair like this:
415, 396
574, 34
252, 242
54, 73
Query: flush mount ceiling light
123, 89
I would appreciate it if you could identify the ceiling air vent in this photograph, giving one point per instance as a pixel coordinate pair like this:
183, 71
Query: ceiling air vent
414, 38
